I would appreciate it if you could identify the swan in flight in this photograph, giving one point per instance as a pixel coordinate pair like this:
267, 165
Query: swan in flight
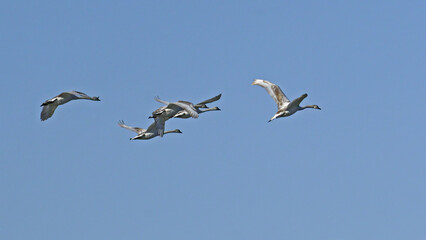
145, 134
285, 107
185, 114
172, 108
161, 115
50, 105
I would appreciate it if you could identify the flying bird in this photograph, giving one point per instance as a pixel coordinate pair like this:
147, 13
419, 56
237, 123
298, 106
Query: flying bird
285, 107
49, 106
173, 108
185, 114
161, 115
145, 134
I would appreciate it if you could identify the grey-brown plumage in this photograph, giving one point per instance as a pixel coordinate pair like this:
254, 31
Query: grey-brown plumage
285, 107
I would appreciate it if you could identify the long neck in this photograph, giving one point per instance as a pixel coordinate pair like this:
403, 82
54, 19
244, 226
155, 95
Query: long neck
91, 98
208, 109
307, 106
85, 97
172, 131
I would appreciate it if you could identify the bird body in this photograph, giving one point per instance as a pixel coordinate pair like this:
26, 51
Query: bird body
285, 106
145, 134
49, 106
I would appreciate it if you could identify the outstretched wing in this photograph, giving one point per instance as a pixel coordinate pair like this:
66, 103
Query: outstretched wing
158, 126
180, 104
48, 110
213, 99
161, 101
296, 102
274, 90
133, 129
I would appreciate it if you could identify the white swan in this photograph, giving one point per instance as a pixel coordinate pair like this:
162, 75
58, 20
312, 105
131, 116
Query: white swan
285, 107
185, 114
50, 105
172, 108
161, 115
145, 134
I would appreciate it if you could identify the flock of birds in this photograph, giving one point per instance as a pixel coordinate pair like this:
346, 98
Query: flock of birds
181, 109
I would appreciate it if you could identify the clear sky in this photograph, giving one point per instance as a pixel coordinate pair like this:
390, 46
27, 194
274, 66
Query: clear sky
354, 170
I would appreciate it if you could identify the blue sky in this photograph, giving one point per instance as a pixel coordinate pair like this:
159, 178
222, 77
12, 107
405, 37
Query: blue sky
355, 170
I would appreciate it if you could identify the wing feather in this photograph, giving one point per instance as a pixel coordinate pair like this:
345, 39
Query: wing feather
48, 111
213, 99
296, 102
274, 91
133, 129
158, 126
161, 101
